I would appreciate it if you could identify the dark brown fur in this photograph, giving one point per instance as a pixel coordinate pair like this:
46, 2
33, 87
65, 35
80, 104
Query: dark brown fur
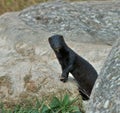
83, 72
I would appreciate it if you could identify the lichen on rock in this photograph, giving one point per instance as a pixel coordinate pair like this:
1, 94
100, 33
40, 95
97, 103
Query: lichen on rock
28, 66
106, 95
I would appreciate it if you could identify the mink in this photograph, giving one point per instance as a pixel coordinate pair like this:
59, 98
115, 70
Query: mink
83, 72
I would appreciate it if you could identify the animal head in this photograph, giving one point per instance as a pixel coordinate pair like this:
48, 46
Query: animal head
56, 42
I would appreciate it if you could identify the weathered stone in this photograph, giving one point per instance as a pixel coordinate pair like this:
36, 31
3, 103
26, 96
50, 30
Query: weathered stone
86, 22
28, 66
106, 96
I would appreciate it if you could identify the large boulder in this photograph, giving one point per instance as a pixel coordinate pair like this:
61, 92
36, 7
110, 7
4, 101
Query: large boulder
106, 95
85, 21
28, 66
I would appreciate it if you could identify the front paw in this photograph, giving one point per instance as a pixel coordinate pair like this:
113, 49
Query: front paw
63, 79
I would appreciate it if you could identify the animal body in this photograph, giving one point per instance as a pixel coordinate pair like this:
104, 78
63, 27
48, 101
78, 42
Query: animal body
71, 62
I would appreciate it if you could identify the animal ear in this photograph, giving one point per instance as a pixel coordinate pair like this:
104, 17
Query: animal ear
61, 36
49, 39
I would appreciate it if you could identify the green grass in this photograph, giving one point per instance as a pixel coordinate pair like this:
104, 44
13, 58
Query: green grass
56, 105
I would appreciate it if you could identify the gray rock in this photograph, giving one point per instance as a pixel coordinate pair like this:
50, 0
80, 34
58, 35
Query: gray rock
83, 21
28, 66
106, 95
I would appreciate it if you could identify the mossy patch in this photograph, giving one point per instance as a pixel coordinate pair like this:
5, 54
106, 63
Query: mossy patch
5, 81
29, 84
27, 78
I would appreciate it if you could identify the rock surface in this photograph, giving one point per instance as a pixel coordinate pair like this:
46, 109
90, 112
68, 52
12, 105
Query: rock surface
85, 21
28, 65
106, 95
